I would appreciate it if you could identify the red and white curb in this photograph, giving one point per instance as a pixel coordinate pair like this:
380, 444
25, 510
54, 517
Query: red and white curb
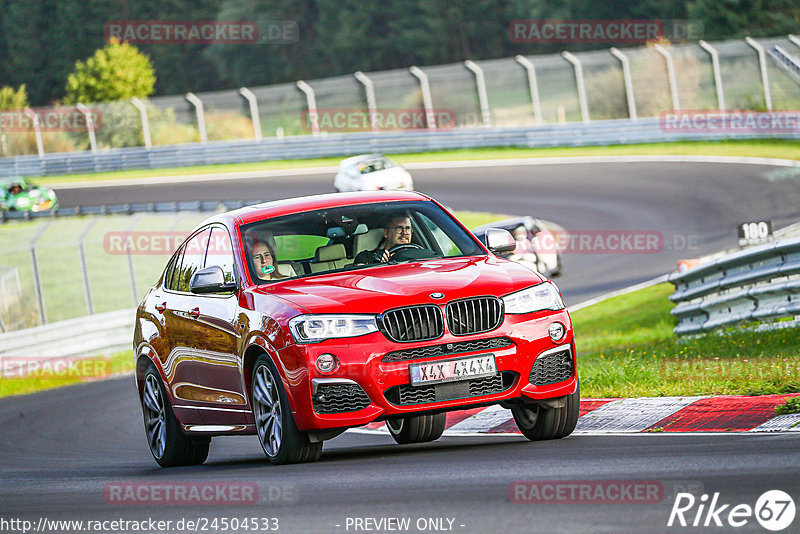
727, 413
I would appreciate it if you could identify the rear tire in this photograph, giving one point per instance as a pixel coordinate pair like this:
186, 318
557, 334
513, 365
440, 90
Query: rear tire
537, 422
282, 442
168, 444
417, 428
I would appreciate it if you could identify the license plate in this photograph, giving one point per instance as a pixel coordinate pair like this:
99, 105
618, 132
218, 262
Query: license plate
452, 370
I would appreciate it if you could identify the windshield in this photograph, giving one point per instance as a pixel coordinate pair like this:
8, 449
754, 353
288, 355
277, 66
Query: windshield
373, 165
352, 237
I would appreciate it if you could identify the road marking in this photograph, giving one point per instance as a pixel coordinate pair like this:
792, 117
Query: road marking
632, 415
783, 423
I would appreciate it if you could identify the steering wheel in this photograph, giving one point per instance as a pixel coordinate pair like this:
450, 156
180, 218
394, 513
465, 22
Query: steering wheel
405, 246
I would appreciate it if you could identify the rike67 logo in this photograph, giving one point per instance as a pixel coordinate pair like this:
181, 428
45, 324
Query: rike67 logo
774, 510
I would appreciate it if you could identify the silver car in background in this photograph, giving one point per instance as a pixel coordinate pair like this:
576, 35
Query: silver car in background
372, 172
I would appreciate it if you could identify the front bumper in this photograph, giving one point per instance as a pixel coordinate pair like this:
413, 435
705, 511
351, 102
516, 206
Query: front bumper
366, 387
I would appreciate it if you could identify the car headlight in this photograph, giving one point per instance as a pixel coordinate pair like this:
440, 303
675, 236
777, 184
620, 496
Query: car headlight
543, 296
316, 328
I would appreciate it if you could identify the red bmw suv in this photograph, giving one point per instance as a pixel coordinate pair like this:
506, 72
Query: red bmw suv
297, 319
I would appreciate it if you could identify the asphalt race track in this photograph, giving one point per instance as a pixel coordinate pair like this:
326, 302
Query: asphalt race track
64, 452
61, 449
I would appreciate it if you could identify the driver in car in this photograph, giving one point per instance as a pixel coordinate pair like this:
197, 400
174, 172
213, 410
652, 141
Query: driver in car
397, 231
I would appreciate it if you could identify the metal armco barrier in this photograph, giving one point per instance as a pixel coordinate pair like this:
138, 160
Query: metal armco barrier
619, 131
91, 334
757, 284
130, 209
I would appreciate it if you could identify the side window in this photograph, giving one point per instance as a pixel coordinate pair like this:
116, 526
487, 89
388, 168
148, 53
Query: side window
194, 257
220, 252
170, 275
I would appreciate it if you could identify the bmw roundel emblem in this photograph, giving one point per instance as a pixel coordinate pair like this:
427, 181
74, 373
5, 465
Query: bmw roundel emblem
437, 295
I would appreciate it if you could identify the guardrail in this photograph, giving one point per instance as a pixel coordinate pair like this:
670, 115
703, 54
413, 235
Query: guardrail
130, 209
88, 335
619, 131
757, 284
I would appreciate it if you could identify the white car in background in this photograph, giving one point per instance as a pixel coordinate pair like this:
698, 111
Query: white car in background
371, 172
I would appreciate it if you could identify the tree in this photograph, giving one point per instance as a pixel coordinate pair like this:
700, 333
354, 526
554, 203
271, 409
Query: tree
738, 18
117, 71
12, 100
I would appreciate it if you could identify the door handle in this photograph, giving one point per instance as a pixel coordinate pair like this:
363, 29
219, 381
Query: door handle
161, 308
195, 312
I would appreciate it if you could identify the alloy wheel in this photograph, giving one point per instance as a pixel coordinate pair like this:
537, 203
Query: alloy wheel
154, 417
267, 408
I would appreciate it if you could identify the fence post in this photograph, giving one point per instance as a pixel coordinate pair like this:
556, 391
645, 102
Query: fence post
311, 101
254, 116
427, 102
717, 75
37, 279
138, 104
533, 85
628, 79
201, 116
37, 130
576, 63
762, 65
131, 271
372, 106
89, 125
795, 39
87, 288
673, 86
483, 99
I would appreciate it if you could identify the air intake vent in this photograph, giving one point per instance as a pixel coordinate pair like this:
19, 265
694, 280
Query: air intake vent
474, 315
432, 351
415, 323
551, 368
339, 398
407, 394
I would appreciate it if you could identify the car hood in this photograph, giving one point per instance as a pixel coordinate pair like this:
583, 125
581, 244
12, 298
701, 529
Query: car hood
376, 289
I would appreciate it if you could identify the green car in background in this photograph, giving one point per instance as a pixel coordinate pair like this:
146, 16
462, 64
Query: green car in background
17, 195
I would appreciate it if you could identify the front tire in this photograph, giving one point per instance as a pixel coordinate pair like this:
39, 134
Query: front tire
417, 428
282, 442
168, 444
537, 422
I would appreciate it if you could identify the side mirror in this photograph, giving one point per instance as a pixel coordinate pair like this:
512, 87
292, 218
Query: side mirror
499, 240
210, 280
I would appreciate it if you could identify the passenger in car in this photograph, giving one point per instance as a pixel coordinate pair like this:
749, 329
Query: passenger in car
396, 231
263, 257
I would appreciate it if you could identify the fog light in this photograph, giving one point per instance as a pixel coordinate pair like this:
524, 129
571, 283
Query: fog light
557, 331
327, 363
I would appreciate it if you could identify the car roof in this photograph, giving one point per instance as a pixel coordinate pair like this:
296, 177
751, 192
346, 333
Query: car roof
278, 208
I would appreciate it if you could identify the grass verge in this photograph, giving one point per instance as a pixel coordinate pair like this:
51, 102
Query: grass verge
626, 348
59, 373
769, 148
